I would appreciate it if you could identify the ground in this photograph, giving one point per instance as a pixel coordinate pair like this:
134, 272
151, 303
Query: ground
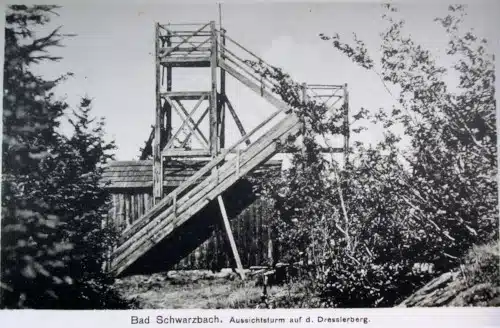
203, 290
474, 283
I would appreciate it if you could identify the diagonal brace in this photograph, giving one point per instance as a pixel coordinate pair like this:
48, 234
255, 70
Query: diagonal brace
186, 39
187, 120
195, 126
236, 119
230, 236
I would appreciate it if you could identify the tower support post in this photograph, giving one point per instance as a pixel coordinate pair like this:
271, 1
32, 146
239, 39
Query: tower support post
159, 126
168, 108
230, 236
304, 127
347, 132
222, 100
214, 124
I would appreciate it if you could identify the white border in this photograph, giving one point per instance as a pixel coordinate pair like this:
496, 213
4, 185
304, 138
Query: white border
389, 317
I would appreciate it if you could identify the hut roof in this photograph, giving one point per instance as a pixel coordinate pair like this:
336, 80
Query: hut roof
139, 174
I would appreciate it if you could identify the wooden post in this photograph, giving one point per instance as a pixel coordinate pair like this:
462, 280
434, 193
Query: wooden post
269, 230
222, 140
222, 100
230, 236
304, 127
304, 93
168, 109
213, 94
157, 157
236, 119
238, 151
270, 249
174, 205
346, 126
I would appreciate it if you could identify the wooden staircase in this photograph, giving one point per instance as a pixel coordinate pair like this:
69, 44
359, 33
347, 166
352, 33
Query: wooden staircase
186, 200
225, 169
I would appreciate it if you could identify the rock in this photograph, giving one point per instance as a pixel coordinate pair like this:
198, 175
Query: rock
435, 293
478, 295
451, 289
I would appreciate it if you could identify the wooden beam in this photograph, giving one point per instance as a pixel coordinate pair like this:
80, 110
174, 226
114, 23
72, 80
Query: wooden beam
323, 150
148, 147
167, 50
184, 122
167, 124
203, 61
168, 108
334, 95
187, 120
213, 93
329, 96
186, 39
221, 101
157, 158
270, 248
347, 131
304, 99
236, 119
195, 126
194, 129
243, 67
229, 232
325, 86
186, 36
254, 87
168, 25
185, 95
252, 69
181, 33
173, 152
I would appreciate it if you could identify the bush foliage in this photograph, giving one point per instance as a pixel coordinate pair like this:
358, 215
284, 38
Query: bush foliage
425, 193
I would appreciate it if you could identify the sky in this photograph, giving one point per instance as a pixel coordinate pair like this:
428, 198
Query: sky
111, 55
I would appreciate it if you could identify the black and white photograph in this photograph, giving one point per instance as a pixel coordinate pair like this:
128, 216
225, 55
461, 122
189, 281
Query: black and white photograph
257, 155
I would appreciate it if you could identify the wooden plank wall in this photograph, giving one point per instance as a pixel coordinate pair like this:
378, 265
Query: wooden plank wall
127, 207
252, 236
250, 228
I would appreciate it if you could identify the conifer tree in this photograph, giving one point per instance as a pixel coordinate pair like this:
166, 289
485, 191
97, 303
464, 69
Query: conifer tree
53, 241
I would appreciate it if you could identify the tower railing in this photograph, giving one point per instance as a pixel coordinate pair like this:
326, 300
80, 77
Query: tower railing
193, 42
257, 70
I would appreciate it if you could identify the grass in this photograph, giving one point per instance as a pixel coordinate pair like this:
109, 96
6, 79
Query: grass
195, 290
482, 264
480, 275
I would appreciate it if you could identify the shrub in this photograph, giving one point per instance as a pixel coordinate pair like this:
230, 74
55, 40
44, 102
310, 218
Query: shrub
362, 228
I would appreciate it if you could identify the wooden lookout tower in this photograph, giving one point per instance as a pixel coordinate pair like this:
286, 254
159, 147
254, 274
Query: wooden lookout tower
190, 176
